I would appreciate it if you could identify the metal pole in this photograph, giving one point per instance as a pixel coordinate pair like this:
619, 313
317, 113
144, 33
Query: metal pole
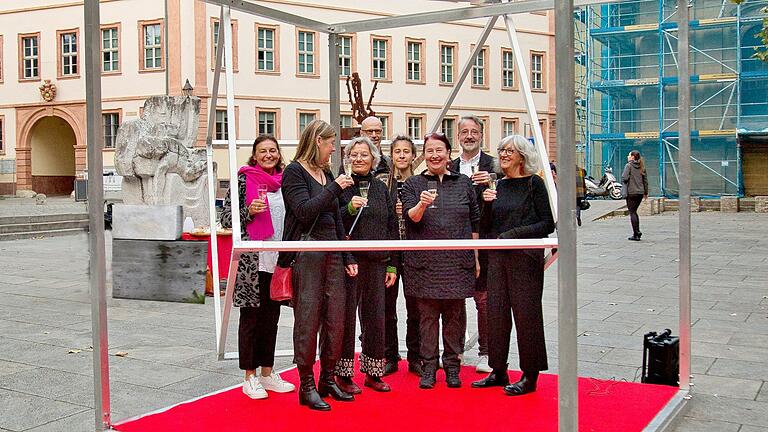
568, 417
97, 264
333, 93
684, 158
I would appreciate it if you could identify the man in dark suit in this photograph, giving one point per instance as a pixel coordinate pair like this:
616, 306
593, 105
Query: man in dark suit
477, 165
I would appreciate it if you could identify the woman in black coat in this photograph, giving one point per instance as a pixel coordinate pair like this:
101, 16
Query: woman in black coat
440, 280
517, 209
368, 214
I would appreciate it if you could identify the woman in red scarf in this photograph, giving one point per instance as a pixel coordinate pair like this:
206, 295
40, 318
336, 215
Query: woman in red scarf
261, 218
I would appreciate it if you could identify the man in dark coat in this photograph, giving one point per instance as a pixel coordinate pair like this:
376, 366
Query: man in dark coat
477, 165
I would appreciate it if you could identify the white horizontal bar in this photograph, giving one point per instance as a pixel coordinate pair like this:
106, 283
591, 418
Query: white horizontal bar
390, 245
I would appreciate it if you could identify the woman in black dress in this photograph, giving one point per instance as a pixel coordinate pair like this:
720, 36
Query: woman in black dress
312, 206
368, 214
517, 209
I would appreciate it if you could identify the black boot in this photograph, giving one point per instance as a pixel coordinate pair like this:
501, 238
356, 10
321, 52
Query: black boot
452, 377
415, 368
495, 379
634, 237
327, 386
527, 384
308, 395
429, 370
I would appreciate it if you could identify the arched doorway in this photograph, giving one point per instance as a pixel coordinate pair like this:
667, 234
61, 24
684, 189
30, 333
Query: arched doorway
52, 142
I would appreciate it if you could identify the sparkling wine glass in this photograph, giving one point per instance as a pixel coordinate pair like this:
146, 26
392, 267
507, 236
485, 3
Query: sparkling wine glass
492, 183
348, 167
262, 188
432, 189
364, 186
474, 169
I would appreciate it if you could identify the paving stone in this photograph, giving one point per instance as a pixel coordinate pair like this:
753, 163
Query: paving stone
9, 367
31, 411
747, 428
203, 384
44, 382
82, 421
726, 387
130, 400
730, 410
147, 374
739, 369
692, 425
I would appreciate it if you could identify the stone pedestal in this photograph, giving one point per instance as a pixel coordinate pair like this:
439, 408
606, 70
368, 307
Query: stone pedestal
761, 204
159, 270
729, 204
146, 222
648, 207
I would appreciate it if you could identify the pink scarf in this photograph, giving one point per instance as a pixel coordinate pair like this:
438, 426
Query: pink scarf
260, 227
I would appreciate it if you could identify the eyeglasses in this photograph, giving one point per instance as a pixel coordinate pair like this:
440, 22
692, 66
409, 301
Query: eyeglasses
506, 151
470, 132
372, 131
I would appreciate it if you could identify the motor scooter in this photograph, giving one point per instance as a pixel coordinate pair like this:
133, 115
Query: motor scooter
607, 186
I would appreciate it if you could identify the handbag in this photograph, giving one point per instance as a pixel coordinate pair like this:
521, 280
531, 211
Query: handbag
281, 287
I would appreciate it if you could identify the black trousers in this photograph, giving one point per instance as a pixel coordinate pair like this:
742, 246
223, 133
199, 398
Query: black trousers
319, 297
392, 351
257, 333
633, 203
516, 281
454, 319
365, 294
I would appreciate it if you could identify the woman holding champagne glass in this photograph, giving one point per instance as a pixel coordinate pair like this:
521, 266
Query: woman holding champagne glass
368, 214
517, 208
440, 204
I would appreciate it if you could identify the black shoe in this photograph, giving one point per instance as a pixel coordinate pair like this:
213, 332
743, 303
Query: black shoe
578, 220
495, 379
527, 384
390, 367
452, 377
309, 397
634, 238
428, 380
327, 386
415, 368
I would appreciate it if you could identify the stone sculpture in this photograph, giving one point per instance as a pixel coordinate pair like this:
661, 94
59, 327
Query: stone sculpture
157, 158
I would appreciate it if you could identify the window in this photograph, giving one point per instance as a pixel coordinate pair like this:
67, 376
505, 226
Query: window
508, 127
479, 69
1, 61
151, 45
67, 62
384, 125
306, 48
345, 55
2, 134
111, 122
414, 123
345, 121
222, 131
380, 53
507, 69
29, 47
447, 62
110, 49
448, 128
414, 65
215, 44
267, 48
306, 117
537, 70
268, 122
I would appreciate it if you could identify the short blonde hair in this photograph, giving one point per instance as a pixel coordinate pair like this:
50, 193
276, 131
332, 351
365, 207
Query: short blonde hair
307, 150
526, 150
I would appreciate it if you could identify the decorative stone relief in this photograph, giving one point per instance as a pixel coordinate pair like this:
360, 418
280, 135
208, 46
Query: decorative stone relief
157, 158
48, 91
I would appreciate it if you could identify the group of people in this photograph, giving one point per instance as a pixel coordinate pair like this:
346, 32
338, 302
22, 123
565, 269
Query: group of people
378, 197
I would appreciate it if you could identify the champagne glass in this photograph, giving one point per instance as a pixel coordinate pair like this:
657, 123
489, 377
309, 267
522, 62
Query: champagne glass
432, 189
492, 183
364, 186
262, 188
348, 167
474, 169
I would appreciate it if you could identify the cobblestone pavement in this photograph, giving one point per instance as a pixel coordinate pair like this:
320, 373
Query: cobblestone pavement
625, 289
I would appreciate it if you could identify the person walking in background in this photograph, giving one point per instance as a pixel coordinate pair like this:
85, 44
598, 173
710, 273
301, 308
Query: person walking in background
368, 214
581, 193
517, 209
440, 204
635, 183
402, 152
261, 218
319, 293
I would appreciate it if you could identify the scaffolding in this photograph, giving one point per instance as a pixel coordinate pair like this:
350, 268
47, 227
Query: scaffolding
630, 67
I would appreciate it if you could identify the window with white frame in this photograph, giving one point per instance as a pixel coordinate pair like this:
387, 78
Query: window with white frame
507, 69
508, 127
345, 121
478, 69
267, 122
447, 126
305, 118
30, 57
537, 71
414, 127
68, 53
384, 126
446, 63
110, 50
153, 46
111, 124
222, 130
345, 55
266, 50
379, 59
413, 63
306, 48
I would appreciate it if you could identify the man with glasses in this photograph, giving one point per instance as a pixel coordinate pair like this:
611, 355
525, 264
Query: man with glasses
372, 128
477, 165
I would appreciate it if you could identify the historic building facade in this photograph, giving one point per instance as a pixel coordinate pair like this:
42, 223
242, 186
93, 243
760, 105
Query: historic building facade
152, 47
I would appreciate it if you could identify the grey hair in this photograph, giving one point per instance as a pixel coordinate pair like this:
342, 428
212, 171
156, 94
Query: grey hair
473, 118
526, 150
372, 148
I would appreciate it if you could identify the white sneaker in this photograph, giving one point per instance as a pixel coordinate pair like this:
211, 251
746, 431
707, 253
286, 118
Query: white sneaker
482, 365
275, 383
253, 388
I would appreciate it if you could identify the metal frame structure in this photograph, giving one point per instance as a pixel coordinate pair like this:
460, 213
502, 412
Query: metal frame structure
567, 269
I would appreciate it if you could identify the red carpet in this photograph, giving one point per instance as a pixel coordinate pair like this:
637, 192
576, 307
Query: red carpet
603, 406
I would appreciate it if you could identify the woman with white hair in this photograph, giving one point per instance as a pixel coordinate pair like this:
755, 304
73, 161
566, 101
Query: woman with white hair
518, 208
368, 213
